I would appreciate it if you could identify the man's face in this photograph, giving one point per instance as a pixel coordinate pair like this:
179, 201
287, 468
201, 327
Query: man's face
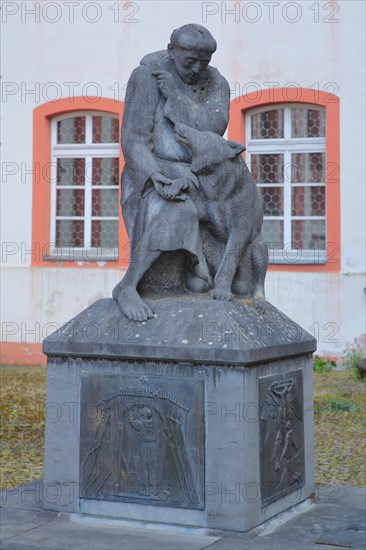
190, 64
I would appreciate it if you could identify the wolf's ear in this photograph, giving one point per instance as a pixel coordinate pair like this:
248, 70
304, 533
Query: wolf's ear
236, 148
170, 51
202, 165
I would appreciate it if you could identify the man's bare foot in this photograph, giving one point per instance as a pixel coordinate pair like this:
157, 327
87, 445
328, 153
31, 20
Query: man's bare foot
131, 305
259, 302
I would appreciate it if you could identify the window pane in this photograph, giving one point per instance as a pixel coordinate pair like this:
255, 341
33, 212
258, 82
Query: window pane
308, 201
272, 233
307, 167
105, 234
272, 199
71, 130
70, 202
307, 123
105, 129
267, 125
267, 168
308, 234
105, 202
70, 171
105, 171
69, 233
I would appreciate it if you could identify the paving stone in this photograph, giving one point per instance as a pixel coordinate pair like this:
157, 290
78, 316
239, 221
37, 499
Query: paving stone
337, 521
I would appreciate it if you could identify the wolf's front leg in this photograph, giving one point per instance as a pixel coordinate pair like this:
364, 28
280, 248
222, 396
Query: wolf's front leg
229, 264
259, 259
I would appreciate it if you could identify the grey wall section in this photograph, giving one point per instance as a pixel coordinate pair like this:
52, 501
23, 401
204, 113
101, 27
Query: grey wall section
333, 37
328, 305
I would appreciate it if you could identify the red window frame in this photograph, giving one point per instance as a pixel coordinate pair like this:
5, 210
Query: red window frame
41, 207
237, 131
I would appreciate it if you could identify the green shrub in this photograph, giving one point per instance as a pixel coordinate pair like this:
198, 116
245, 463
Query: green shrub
351, 359
321, 364
336, 405
341, 405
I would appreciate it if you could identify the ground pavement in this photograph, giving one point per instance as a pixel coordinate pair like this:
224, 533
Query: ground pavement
335, 520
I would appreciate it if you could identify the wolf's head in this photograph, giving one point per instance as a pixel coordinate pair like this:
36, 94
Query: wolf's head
206, 148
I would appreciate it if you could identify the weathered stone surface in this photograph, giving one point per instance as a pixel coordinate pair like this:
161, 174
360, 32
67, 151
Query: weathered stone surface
185, 329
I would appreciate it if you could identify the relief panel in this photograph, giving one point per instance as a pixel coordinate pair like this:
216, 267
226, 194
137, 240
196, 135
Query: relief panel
282, 465
142, 440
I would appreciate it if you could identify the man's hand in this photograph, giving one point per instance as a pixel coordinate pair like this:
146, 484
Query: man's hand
166, 82
174, 191
170, 189
160, 183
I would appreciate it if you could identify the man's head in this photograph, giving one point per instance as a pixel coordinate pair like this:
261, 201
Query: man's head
146, 412
191, 48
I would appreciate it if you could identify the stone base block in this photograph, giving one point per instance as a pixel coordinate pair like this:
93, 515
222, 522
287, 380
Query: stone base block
212, 444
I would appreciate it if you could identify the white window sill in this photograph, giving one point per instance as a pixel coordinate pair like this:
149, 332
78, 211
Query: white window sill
297, 257
83, 255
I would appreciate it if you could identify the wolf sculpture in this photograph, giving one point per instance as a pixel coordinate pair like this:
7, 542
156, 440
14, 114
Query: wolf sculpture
234, 215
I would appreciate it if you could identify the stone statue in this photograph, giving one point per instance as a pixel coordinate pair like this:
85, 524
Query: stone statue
194, 219
191, 209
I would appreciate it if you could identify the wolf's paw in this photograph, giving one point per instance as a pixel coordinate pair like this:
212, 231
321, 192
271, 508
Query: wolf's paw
221, 294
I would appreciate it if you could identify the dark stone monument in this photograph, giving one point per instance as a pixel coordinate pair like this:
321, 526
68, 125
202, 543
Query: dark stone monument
187, 398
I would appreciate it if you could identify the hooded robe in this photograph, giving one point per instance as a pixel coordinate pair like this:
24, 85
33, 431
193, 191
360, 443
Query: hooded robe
149, 145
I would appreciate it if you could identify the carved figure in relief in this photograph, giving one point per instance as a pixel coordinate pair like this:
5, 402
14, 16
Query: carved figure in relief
139, 449
147, 475
282, 411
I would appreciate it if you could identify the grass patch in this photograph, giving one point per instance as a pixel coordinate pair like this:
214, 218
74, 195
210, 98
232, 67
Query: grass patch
337, 405
22, 414
339, 419
339, 416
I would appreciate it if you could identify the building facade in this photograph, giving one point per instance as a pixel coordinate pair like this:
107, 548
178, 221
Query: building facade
297, 80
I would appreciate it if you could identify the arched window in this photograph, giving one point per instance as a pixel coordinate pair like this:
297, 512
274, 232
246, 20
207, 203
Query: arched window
84, 186
293, 150
286, 152
77, 160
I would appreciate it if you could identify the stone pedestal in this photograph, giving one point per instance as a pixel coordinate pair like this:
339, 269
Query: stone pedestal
202, 416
